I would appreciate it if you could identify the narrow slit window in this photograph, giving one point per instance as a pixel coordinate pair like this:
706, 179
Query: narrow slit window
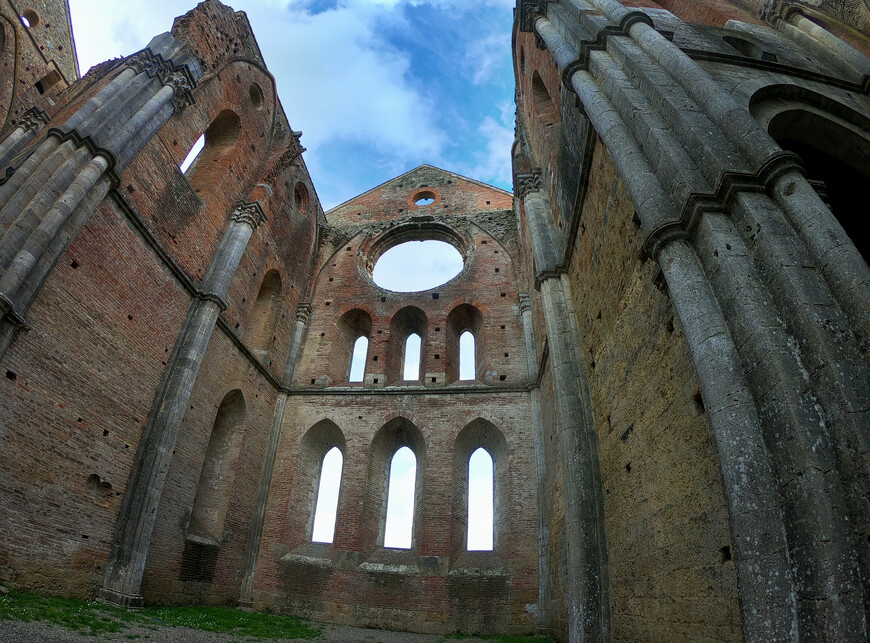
467, 358
358, 360
400, 500
412, 357
480, 501
326, 509
192, 154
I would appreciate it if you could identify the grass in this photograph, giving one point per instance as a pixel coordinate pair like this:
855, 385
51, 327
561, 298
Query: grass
504, 638
95, 618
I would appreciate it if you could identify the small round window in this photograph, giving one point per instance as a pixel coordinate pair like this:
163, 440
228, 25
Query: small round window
417, 265
29, 18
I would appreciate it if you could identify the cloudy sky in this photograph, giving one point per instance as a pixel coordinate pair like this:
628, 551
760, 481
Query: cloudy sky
377, 86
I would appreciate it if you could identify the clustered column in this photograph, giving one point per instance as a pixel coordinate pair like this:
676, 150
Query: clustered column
46, 200
795, 553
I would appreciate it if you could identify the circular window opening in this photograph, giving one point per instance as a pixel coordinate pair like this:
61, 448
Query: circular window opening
417, 265
29, 18
256, 95
424, 198
300, 198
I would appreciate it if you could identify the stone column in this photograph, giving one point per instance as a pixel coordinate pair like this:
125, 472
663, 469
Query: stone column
788, 17
544, 611
768, 606
138, 513
28, 127
252, 551
46, 201
587, 576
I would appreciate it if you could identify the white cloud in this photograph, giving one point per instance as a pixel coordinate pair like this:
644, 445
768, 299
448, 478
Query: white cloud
483, 56
494, 166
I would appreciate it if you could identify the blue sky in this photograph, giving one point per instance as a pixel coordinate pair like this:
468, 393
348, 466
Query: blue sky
378, 87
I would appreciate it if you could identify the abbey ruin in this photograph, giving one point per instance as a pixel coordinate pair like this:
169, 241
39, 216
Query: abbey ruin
671, 317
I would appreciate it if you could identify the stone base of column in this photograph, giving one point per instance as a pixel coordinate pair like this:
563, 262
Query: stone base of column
131, 601
246, 604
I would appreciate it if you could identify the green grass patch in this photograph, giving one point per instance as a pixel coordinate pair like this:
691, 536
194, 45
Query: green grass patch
263, 625
500, 638
80, 616
95, 618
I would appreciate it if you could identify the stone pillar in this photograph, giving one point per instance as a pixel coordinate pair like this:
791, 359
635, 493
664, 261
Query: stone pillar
252, 551
587, 577
46, 201
138, 513
811, 586
32, 121
544, 611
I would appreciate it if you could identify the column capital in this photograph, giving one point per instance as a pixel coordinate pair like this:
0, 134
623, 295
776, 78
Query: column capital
33, 118
775, 10
303, 311
529, 182
524, 301
250, 213
530, 10
178, 77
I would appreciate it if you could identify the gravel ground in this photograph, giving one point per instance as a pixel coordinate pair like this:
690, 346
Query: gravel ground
40, 632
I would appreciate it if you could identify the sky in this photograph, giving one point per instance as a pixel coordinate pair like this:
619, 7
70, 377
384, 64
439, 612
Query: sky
377, 87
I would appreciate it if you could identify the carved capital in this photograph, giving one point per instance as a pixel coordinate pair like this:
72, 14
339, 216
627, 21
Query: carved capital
524, 302
775, 10
529, 182
10, 315
34, 118
303, 311
529, 11
178, 77
250, 213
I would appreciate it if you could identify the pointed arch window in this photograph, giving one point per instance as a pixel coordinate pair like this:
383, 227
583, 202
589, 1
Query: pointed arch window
465, 344
412, 357
481, 501
358, 360
205, 164
466, 356
399, 526
328, 488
